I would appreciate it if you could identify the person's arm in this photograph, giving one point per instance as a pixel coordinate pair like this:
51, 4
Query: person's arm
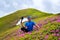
22, 22
37, 26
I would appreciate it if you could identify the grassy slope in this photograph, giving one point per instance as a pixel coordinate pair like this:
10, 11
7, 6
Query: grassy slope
9, 21
14, 29
45, 30
40, 35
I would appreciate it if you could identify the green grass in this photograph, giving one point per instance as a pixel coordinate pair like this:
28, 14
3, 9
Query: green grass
34, 32
8, 23
42, 32
9, 31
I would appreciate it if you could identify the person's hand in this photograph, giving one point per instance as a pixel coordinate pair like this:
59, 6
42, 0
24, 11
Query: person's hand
22, 18
37, 27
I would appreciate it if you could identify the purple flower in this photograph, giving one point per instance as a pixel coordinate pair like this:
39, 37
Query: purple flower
54, 34
52, 31
57, 30
57, 34
45, 22
58, 20
46, 36
52, 19
40, 25
21, 35
29, 32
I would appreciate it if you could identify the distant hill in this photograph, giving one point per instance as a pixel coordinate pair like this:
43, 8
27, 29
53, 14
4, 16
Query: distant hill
10, 21
49, 26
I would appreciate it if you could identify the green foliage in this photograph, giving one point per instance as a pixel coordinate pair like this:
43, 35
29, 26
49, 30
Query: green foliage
10, 21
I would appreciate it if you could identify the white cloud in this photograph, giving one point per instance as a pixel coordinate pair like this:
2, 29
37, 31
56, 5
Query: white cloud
55, 2
8, 6
55, 6
37, 2
2, 13
5, 4
24, 6
16, 5
49, 5
19, 6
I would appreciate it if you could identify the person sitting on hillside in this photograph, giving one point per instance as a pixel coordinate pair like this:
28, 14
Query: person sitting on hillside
28, 27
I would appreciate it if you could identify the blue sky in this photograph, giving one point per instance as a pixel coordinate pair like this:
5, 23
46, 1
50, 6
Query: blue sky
8, 6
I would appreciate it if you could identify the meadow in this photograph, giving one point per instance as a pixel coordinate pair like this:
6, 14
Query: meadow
49, 26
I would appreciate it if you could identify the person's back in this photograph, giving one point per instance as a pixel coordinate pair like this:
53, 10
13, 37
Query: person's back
29, 25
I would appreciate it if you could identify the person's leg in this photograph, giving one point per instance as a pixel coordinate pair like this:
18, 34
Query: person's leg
24, 29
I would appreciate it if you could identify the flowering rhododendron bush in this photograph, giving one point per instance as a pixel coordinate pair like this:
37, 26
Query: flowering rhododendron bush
49, 29
49, 25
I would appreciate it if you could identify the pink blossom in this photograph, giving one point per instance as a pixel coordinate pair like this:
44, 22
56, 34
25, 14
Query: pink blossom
40, 24
21, 35
57, 34
29, 32
46, 36
57, 30
45, 23
58, 20
54, 34
51, 19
